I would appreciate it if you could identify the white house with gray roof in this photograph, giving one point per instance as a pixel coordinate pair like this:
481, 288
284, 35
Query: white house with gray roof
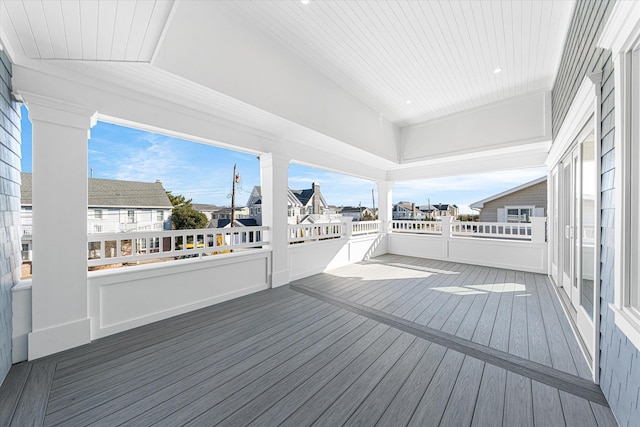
114, 206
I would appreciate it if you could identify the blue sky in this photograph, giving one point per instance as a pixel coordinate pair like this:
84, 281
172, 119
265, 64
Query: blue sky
204, 173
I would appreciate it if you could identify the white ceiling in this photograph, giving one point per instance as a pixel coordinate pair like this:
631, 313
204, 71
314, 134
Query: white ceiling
358, 63
440, 55
107, 30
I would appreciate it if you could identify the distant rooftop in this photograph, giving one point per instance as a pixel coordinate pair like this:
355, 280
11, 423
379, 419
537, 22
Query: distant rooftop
111, 193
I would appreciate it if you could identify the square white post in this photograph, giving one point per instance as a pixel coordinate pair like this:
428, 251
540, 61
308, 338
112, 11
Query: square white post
60, 318
274, 176
538, 229
385, 205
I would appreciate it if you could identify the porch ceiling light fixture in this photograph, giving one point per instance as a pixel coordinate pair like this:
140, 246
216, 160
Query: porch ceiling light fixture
304, 1
497, 70
408, 101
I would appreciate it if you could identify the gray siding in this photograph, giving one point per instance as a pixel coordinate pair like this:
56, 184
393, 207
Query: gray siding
536, 195
619, 359
580, 55
10, 207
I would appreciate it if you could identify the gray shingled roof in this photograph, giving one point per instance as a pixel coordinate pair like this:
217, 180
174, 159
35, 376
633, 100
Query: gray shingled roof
113, 193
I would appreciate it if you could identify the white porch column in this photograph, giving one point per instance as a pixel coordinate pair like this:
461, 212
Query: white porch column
385, 205
274, 176
60, 317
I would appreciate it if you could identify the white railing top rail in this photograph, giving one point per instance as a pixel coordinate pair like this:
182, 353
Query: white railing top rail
502, 230
416, 226
299, 233
116, 248
365, 227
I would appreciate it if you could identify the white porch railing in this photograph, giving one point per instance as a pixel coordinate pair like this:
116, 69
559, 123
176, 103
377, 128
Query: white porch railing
115, 248
118, 227
520, 231
313, 232
364, 227
416, 226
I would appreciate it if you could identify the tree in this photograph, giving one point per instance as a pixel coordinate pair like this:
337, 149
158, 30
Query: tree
183, 215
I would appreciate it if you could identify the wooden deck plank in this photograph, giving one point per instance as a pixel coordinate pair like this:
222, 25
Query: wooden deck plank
604, 416
274, 404
186, 378
233, 397
149, 337
280, 356
501, 329
518, 402
374, 406
459, 411
11, 391
30, 410
315, 406
547, 408
219, 330
445, 301
403, 405
577, 411
518, 342
255, 301
435, 398
347, 403
461, 311
561, 356
416, 305
490, 404
222, 344
578, 358
484, 329
536, 333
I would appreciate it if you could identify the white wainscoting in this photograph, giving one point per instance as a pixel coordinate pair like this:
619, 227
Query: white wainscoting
127, 298
311, 258
509, 254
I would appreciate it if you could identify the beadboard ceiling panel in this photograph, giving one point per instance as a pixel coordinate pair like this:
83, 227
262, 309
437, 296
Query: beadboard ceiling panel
107, 30
417, 60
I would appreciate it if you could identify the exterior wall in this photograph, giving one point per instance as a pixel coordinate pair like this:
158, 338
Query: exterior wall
536, 195
10, 207
619, 367
580, 55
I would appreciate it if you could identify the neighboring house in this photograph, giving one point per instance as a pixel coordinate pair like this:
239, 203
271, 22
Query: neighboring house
302, 205
356, 212
518, 204
207, 210
440, 210
113, 206
407, 210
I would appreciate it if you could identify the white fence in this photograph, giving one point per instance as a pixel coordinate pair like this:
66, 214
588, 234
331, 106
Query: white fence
364, 227
313, 232
416, 226
115, 248
520, 231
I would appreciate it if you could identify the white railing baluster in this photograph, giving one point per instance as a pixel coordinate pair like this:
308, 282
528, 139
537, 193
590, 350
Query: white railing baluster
153, 244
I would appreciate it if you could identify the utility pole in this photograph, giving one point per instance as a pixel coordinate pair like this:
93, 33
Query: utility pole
236, 179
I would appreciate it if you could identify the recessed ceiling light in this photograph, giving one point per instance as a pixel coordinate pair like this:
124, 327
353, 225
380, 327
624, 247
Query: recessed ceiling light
497, 70
408, 101
304, 1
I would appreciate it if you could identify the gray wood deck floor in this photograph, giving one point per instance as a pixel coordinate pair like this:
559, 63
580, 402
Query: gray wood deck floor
392, 341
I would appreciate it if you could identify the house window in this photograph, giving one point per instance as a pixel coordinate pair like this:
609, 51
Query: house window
131, 217
519, 214
632, 286
159, 216
97, 214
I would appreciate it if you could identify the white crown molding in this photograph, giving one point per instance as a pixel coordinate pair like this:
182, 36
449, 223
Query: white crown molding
622, 31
